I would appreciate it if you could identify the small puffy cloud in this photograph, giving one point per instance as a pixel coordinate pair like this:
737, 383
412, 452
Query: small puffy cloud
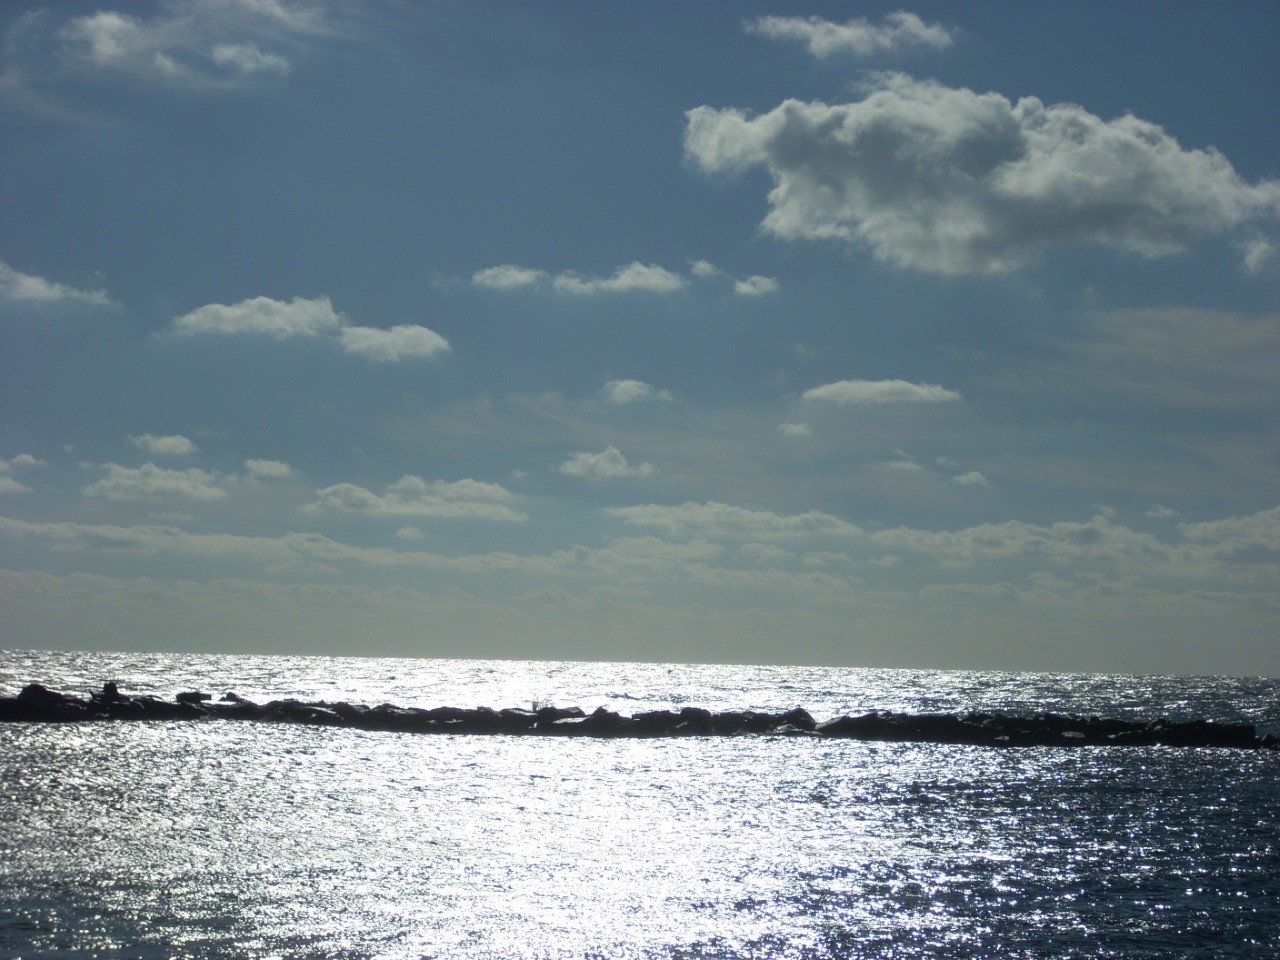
150, 482
634, 391
860, 392
264, 316
1259, 255
23, 461
903, 464
9, 485
857, 37
1161, 512
950, 181
174, 446
635, 276
15, 285
972, 479
269, 470
631, 278
507, 277
756, 286
608, 464
394, 345
299, 317
795, 430
704, 269
725, 520
409, 533
412, 496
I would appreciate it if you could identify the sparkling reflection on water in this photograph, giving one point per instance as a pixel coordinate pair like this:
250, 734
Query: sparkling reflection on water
210, 840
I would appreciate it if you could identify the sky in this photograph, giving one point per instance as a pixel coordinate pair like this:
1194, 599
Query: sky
940, 336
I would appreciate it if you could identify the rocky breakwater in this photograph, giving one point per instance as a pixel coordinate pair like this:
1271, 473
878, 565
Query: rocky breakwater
38, 704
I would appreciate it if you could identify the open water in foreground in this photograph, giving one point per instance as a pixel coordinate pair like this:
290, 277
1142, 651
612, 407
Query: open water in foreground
251, 840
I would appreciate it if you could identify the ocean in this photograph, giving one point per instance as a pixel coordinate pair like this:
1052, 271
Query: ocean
193, 839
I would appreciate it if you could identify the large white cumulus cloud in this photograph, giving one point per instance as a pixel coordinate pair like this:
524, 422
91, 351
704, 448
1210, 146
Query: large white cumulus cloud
952, 181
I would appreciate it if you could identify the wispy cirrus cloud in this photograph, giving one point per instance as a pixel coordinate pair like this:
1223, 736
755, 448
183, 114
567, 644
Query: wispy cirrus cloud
303, 318
192, 44
858, 37
1175, 357
950, 181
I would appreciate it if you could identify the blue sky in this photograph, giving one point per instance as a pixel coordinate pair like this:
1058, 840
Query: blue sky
940, 336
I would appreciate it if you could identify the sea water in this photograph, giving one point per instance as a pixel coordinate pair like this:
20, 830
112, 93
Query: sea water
263, 840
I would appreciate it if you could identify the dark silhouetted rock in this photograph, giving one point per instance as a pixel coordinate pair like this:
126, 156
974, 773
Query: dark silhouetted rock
37, 703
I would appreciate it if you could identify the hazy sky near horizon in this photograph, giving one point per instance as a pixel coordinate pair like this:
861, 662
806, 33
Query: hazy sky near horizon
943, 335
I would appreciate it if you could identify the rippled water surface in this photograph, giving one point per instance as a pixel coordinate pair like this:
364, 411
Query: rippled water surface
225, 839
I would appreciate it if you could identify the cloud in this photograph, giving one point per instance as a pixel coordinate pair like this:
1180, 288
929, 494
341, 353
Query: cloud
1259, 254
10, 485
409, 533
23, 461
393, 345
269, 470
634, 391
795, 430
857, 37
411, 496
1096, 540
15, 285
725, 520
857, 392
1161, 512
972, 479
634, 277
265, 317
299, 317
246, 59
608, 464
150, 482
507, 277
755, 286
1238, 535
704, 269
950, 181
1178, 357
174, 446
203, 45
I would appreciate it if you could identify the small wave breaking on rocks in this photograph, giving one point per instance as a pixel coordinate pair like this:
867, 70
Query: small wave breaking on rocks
38, 704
